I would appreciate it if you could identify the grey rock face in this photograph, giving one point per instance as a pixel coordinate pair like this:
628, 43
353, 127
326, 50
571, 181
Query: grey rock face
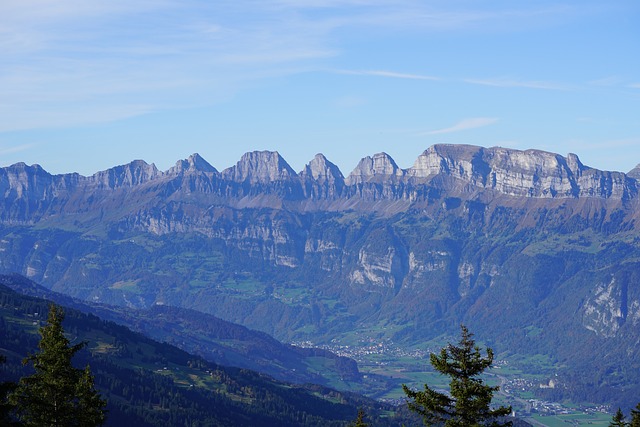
260, 167
380, 168
634, 173
322, 179
530, 173
195, 163
135, 173
322, 170
607, 310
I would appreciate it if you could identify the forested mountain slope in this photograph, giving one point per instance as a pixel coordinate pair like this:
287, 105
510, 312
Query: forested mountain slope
214, 339
147, 383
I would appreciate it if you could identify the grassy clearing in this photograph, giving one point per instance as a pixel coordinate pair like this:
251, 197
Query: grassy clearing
129, 286
593, 420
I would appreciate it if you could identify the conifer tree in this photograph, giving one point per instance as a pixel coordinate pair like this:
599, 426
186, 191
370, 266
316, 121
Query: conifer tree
635, 416
618, 419
90, 407
359, 422
468, 404
57, 394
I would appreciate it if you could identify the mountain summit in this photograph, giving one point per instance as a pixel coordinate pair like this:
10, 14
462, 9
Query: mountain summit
260, 167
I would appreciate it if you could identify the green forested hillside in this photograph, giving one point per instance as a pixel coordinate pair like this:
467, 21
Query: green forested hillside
148, 384
214, 339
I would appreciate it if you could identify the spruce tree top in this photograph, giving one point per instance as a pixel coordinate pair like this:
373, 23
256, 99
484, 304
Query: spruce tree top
469, 399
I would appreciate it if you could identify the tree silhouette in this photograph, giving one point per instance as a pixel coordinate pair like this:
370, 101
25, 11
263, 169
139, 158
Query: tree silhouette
359, 421
618, 419
469, 399
635, 416
57, 394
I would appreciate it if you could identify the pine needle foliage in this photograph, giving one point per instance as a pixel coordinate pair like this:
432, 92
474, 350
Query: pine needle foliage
618, 420
635, 416
57, 394
468, 403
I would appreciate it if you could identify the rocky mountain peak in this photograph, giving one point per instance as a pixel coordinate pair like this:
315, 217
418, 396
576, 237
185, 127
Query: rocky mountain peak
634, 173
21, 180
260, 167
456, 160
378, 167
321, 169
22, 167
193, 163
135, 173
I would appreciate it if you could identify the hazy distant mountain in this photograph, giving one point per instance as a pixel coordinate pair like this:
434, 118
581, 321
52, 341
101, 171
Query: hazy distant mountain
536, 252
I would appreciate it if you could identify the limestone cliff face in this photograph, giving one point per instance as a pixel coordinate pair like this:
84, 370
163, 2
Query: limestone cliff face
609, 308
379, 168
530, 173
376, 178
135, 173
634, 173
30, 193
260, 167
321, 179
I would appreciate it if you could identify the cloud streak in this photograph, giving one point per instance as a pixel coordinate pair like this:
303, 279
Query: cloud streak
388, 74
514, 83
466, 124
15, 149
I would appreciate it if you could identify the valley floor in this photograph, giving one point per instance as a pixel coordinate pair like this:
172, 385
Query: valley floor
386, 367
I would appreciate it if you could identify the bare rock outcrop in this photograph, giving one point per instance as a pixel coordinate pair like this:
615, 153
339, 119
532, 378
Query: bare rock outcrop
261, 167
129, 175
379, 168
322, 179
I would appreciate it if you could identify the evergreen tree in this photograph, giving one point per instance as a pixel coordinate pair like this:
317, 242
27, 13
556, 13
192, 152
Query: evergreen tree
468, 404
618, 420
91, 407
57, 394
359, 422
635, 416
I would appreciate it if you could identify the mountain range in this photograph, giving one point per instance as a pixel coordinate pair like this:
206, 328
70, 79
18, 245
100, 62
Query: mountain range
534, 251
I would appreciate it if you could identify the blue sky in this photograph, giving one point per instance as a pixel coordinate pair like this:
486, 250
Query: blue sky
86, 85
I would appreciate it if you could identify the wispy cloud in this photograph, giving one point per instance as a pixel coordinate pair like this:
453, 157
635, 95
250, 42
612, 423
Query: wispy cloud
497, 82
466, 124
83, 62
509, 83
15, 149
635, 85
389, 74
69, 62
